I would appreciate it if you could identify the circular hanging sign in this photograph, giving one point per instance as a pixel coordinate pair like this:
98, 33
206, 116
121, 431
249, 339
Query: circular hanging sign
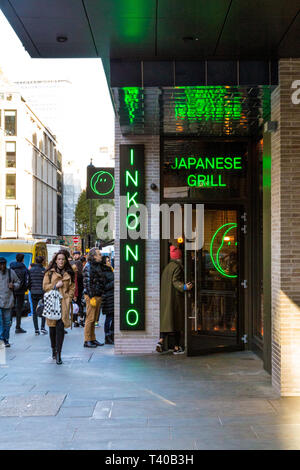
102, 183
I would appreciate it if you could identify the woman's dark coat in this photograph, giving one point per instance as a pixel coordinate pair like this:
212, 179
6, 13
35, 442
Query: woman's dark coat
172, 298
108, 298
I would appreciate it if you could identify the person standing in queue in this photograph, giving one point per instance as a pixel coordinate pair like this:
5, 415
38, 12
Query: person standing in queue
36, 278
108, 300
22, 272
78, 263
93, 285
60, 275
172, 301
8, 282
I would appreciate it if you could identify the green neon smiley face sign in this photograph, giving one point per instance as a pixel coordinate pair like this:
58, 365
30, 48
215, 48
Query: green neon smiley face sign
102, 183
216, 258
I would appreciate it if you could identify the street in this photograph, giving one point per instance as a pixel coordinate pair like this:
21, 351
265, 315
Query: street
97, 400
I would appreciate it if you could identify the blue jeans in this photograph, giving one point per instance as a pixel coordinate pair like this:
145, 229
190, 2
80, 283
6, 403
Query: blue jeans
5, 323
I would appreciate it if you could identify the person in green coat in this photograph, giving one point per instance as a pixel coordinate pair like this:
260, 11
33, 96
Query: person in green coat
172, 301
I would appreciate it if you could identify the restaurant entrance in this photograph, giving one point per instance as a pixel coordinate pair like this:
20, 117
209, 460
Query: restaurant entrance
223, 311
214, 307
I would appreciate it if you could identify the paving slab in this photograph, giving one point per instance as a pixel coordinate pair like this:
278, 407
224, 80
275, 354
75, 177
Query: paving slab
31, 405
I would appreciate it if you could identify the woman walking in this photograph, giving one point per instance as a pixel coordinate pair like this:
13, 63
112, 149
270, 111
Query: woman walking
60, 275
108, 300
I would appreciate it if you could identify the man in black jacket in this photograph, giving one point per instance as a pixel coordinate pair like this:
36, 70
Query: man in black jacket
94, 284
108, 300
23, 274
36, 277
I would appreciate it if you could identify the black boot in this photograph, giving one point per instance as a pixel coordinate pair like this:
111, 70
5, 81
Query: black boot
58, 358
54, 352
108, 339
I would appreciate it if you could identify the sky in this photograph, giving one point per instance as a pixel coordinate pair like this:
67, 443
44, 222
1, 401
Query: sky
90, 117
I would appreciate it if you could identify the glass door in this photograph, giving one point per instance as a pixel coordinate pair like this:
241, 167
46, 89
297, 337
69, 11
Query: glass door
212, 306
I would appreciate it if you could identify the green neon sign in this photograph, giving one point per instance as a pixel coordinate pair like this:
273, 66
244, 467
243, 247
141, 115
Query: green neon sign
132, 272
216, 260
135, 322
102, 183
215, 164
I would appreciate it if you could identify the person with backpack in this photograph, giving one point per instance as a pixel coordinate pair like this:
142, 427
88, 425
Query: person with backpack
8, 282
23, 274
36, 277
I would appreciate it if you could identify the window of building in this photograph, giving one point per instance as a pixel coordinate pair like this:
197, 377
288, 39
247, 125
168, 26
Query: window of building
10, 122
10, 149
10, 218
10, 186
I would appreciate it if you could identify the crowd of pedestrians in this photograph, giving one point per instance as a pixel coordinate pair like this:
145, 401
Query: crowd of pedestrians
84, 286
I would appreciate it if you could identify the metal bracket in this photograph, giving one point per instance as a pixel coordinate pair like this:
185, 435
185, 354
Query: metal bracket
244, 216
244, 283
244, 229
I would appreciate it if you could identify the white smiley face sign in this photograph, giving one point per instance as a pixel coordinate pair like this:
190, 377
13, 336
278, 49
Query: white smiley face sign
102, 183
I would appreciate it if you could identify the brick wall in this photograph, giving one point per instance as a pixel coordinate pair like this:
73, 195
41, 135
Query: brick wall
137, 342
285, 209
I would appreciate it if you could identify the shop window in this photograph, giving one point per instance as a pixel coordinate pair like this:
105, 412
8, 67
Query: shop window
10, 118
10, 186
10, 149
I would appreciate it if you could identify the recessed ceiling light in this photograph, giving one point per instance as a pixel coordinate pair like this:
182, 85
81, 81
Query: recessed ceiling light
61, 38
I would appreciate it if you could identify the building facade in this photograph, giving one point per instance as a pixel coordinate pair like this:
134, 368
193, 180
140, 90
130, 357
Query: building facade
207, 103
31, 171
52, 100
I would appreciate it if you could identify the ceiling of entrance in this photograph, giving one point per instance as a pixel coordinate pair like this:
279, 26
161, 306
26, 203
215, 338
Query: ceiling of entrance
201, 110
157, 29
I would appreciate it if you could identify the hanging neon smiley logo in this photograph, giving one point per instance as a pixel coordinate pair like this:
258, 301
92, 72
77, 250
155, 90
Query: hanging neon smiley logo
215, 259
102, 183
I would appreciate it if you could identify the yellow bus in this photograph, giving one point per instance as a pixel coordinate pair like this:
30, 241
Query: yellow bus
30, 248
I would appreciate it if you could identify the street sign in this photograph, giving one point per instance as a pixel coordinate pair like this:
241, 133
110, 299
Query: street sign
76, 240
100, 183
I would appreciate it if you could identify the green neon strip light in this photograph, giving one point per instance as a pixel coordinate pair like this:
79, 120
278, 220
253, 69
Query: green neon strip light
132, 99
208, 103
217, 263
136, 317
131, 273
131, 156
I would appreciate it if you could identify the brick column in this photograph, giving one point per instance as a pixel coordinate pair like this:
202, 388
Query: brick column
140, 342
285, 209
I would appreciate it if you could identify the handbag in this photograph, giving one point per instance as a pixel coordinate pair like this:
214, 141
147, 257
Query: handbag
52, 305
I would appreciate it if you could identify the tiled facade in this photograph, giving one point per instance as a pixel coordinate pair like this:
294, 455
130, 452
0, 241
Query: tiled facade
127, 342
285, 205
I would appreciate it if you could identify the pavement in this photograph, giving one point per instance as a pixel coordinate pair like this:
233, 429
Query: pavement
98, 400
